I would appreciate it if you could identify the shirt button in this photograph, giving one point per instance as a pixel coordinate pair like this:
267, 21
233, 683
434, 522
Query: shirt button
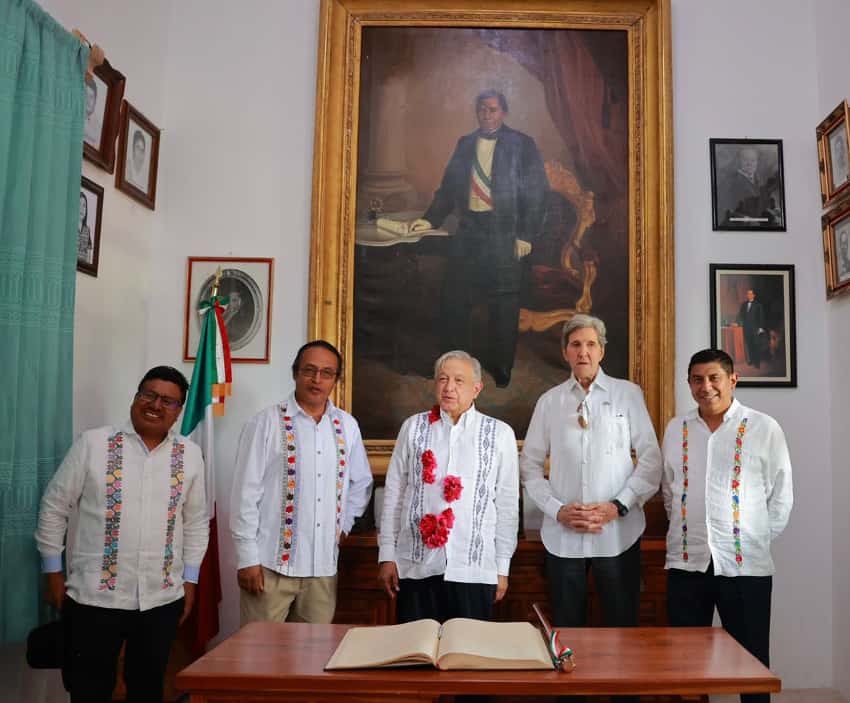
318, 451
319, 475
318, 524
319, 499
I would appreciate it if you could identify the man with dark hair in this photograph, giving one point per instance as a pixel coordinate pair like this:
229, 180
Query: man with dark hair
496, 184
132, 502
301, 478
751, 318
728, 494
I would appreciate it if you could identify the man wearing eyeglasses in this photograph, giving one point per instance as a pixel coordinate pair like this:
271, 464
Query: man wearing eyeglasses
301, 478
593, 500
131, 499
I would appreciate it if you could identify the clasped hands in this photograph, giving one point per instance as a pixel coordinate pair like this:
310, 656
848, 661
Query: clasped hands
522, 248
587, 517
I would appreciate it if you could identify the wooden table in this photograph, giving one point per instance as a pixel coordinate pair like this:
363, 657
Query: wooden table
284, 662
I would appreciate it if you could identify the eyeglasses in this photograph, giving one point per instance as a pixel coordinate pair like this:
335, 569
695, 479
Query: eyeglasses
310, 372
150, 397
583, 415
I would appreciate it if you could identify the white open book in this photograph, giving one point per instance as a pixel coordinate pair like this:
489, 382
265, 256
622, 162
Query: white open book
460, 643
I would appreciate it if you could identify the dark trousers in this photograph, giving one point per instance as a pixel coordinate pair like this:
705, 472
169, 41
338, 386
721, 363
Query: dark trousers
617, 581
474, 264
93, 642
442, 600
742, 602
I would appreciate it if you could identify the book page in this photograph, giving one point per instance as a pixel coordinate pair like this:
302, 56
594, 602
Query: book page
477, 644
389, 645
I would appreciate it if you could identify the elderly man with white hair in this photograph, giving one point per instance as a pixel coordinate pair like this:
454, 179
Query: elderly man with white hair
593, 499
451, 504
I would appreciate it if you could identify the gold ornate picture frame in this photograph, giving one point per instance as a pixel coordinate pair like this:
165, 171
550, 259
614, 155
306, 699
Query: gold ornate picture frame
833, 135
350, 258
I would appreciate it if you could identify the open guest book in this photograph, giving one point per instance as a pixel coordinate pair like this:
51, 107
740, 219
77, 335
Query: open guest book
460, 643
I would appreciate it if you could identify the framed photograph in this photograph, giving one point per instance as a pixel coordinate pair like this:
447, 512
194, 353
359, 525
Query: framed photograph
753, 320
138, 156
248, 315
836, 249
88, 230
578, 98
747, 185
834, 154
104, 93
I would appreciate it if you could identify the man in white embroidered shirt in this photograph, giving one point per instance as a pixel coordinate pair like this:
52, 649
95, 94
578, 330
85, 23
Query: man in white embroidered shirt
451, 497
592, 502
728, 494
132, 502
302, 476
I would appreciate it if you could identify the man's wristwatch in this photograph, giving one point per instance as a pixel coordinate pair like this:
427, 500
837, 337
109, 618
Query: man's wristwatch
622, 510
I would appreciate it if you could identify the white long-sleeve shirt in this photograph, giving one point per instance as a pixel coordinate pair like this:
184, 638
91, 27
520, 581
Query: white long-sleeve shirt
593, 464
482, 452
297, 485
764, 492
136, 520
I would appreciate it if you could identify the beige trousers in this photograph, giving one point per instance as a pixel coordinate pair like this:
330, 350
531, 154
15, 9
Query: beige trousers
290, 599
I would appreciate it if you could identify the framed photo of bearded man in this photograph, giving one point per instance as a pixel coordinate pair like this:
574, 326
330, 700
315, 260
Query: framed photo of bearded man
462, 198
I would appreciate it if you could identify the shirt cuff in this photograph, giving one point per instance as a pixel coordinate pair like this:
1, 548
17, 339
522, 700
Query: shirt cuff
51, 563
386, 553
247, 554
553, 505
627, 497
191, 573
503, 566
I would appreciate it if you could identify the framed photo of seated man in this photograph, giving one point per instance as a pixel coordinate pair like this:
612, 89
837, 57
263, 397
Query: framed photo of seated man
463, 197
747, 185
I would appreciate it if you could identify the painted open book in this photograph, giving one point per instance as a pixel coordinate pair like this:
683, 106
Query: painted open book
459, 643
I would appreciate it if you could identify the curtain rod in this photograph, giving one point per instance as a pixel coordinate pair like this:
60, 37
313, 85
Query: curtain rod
96, 56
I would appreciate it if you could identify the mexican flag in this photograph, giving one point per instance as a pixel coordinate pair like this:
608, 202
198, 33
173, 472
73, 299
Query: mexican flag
211, 383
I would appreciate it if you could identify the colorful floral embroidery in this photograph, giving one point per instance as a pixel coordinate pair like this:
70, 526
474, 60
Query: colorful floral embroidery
685, 490
736, 496
290, 453
434, 415
176, 490
112, 528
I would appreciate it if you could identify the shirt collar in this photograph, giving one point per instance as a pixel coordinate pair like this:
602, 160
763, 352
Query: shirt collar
732, 411
128, 429
601, 381
467, 417
292, 403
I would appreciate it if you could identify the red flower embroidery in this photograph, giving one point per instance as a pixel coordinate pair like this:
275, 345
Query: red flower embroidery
429, 467
434, 414
452, 488
447, 518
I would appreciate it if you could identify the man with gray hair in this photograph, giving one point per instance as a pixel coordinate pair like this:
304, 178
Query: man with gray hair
593, 500
451, 504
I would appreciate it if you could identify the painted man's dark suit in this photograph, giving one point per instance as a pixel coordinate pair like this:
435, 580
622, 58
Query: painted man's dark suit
482, 251
752, 321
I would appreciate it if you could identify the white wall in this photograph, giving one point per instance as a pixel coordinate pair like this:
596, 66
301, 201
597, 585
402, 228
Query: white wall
233, 88
832, 59
747, 69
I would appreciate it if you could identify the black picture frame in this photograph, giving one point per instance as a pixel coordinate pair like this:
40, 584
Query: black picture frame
761, 340
747, 185
88, 232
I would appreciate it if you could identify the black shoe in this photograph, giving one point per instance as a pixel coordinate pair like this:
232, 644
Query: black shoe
502, 377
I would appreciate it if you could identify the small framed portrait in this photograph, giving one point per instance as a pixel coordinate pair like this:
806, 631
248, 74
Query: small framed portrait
104, 93
753, 320
834, 155
836, 249
247, 283
138, 156
88, 230
747, 185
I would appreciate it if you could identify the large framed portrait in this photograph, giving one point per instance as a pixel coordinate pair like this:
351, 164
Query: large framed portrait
138, 156
836, 249
483, 171
104, 93
247, 282
833, 135
753, 320
747, 185
88, 230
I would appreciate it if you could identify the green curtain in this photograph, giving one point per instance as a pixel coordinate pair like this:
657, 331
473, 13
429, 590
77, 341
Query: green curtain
41, 133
